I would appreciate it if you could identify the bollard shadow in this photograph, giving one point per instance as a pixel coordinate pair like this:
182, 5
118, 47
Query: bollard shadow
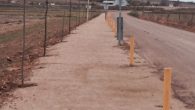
128, 66
64, 41
50, 55
25, 85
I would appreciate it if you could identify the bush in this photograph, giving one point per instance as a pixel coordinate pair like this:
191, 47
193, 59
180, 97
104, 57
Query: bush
134, 13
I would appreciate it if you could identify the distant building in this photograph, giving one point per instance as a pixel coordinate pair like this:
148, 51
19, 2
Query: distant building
146, 2
177, 3
187, 4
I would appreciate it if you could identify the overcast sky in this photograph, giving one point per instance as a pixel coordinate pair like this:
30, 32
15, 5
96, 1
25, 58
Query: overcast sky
188, 0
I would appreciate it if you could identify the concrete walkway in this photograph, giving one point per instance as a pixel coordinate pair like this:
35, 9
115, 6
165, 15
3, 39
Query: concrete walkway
89, 72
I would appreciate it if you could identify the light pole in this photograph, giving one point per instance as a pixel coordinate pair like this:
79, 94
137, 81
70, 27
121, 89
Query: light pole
120, 8
120, 25
106, 9
87, 10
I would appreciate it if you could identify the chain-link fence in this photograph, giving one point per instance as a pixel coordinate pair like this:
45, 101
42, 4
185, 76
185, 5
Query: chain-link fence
182, 18
42, 28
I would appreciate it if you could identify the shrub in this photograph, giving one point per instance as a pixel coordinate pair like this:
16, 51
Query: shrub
134, 13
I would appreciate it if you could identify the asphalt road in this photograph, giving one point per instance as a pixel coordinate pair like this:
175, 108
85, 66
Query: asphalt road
165, 46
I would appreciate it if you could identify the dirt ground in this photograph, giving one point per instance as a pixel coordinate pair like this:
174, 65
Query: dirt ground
88, 71
10, 58
13, 23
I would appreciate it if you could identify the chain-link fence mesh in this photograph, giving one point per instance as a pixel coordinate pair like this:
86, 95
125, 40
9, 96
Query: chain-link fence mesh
182, 18
61, 18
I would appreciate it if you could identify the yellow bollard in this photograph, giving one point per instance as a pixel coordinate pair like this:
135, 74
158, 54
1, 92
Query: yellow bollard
167, 88
112, 26
109, 20
111, 23
115, 30
132, 47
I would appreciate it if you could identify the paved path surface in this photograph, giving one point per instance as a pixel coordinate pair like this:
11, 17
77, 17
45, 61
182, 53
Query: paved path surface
167, 47
89, 72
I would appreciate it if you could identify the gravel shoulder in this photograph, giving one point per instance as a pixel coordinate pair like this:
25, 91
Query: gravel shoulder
88, 71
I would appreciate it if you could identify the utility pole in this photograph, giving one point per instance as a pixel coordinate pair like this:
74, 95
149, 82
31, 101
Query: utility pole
87, 10
23, 42
120, 8
106, 9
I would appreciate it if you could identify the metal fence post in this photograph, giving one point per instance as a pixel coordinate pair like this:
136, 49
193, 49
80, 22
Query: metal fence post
87, 10
45, 37
192, 18
79, 12
23, 42
179, 16
63, 20
70, 15
168, 17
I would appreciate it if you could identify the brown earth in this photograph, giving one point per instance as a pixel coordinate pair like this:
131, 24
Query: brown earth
13, 23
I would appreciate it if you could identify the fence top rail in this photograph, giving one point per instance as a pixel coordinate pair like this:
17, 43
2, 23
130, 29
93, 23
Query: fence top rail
169, 12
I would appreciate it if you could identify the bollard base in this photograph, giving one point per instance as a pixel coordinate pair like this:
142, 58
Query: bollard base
121, 42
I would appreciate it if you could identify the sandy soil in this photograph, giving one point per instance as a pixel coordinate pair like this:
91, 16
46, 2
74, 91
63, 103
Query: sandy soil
89, 72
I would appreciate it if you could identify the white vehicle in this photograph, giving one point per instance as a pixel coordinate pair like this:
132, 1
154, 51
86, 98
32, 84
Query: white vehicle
115, 2
109, 2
